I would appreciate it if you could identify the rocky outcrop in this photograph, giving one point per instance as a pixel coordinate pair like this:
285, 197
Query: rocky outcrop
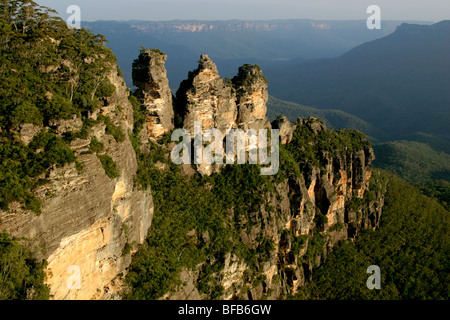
252, 95
283, 124
206, 97
314, 124
304, 217
89, 223
153, 92
316, 206
240, 103
324, 205
61, 126
26, 132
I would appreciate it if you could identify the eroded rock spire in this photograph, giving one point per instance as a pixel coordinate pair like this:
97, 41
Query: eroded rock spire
206, 97
153, 92
252, 96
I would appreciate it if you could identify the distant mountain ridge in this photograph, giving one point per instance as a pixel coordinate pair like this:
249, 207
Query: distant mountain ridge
398, 83
240, 25
391, 88
233, 43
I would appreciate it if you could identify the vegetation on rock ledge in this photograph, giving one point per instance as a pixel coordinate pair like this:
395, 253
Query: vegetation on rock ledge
411, 247
47, 72
21, 276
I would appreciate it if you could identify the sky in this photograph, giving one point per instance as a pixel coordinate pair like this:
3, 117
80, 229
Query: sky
156, 10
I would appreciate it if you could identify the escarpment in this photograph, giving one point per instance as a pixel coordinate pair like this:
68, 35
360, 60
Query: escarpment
323, 193
95, 212
90, 220
301, 218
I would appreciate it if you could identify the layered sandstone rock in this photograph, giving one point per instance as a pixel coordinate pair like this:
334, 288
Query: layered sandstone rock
240, 103
252, 96
316, 203
153, 92
26, 132
89, 222
206, 97
223, 104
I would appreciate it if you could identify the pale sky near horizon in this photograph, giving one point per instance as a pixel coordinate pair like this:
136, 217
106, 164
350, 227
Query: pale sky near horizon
419, 10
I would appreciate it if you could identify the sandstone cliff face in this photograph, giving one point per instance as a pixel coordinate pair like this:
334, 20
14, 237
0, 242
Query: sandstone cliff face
220, 104
324, 192
309, 211
313, 206
150, 77
252, 97
90, 224
206, 97
87, 218
223, 104
222, 26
